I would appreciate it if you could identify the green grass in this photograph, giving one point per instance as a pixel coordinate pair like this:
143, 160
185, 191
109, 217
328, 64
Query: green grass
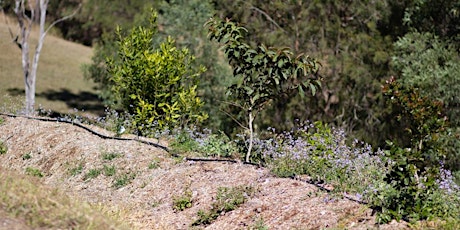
59, 74
3, 148
154, 164
34, 172
76, 170
109, 170
92, 173
228, 199
110, 156
26, 156
123, 180
25, 199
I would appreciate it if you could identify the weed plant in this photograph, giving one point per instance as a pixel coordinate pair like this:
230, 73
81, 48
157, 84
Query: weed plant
227, 199
203, 143
3, 148
316, 150
154, 164
91, 174
26, 156
110, 156
123, 180
109, 170
184, 201
76, 170
34, 172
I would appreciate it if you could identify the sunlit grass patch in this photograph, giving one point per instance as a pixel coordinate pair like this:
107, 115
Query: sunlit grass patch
23, 197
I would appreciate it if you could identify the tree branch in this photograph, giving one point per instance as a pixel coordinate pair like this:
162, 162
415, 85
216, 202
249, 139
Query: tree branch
268, 17
63, 18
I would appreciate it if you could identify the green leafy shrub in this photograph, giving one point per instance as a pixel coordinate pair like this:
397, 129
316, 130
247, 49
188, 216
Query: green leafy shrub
416, 170
157, 86
227, 199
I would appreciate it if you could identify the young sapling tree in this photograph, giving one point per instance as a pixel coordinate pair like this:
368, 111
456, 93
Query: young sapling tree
262, 73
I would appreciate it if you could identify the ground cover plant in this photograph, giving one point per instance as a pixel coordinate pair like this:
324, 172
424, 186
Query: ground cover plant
227, 199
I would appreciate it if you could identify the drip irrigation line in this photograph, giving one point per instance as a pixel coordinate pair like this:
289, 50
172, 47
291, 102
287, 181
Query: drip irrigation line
88, 129
220, 160
319, 186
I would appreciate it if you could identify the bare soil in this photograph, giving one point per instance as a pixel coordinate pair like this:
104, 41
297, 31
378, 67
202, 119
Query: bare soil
57, 149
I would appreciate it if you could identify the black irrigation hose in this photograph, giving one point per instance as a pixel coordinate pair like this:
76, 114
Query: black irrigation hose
219, 160
322, 188
319, 186
87, 129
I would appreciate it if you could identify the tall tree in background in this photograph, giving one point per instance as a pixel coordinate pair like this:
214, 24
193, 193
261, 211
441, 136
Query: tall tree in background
26, 22
183, 20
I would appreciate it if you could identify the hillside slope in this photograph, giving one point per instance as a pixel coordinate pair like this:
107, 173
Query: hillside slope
57, 149
60, 83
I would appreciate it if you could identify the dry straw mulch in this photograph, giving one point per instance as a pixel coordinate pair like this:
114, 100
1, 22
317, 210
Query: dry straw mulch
57, 148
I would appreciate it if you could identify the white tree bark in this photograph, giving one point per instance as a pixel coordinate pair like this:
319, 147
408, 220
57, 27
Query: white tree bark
25, 24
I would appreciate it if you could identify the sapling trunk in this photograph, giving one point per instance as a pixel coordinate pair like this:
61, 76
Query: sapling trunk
251, 134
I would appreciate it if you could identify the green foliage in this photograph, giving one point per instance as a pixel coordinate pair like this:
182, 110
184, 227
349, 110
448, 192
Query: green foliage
91, 174
123, 180
2, 120
227, 199
76, 170
183, 20
416, 169
262, 74
205, 144
34, 172
259, 225
109, 170
154, 164
3, 148
26, 156
184, 201
432, 65
345, 37
155, 85
321, 153
108, 156
440, 18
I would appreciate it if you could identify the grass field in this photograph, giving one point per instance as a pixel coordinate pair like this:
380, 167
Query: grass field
61, 86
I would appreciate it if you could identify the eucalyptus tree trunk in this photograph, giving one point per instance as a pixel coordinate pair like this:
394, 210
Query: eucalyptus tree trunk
26, 23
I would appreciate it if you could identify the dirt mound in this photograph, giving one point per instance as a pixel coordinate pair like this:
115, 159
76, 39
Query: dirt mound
142, 181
